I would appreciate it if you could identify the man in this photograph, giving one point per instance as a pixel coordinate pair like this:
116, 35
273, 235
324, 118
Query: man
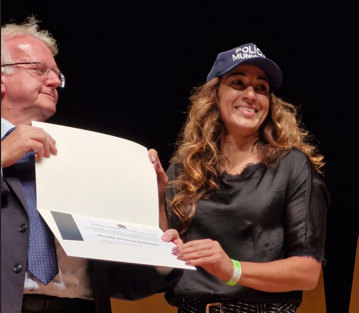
29, 81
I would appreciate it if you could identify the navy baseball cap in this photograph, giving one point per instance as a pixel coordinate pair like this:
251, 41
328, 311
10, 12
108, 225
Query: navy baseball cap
246, 54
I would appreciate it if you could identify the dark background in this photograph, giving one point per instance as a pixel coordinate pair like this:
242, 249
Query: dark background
130, 67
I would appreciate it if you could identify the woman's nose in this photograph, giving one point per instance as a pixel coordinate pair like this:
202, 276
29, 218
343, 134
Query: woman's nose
249, 94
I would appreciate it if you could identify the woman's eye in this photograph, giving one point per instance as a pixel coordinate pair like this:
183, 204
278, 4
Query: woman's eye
238, 82
262, 88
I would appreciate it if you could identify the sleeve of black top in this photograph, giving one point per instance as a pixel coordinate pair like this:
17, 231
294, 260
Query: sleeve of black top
308, 200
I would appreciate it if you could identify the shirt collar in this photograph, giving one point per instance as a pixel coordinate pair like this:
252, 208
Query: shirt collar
5, 126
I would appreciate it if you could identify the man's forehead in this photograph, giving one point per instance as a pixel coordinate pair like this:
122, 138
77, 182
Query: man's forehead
19, 50
27, 47
23, 43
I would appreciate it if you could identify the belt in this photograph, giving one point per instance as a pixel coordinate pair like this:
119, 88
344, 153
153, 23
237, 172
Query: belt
223, 305
42, 303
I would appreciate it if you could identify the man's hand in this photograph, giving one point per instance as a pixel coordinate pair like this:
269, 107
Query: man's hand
24, 139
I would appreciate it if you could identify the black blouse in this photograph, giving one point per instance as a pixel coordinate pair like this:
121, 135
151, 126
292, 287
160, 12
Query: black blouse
261, 215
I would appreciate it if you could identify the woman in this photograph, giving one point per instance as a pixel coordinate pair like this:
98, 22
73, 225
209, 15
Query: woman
246, 200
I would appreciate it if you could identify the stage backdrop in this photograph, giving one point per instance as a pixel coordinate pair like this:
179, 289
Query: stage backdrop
130, 67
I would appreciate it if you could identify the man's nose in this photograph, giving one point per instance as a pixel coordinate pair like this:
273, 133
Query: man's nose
52, 79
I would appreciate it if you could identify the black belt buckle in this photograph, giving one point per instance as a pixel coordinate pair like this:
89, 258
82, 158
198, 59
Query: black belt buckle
209, 305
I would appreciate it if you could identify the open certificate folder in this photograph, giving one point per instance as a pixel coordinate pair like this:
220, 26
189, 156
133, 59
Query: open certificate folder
99, 197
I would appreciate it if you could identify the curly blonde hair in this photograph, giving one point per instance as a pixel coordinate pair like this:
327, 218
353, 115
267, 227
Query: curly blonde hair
199, 157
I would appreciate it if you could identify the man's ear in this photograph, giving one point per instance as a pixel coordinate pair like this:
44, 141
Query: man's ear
2, 85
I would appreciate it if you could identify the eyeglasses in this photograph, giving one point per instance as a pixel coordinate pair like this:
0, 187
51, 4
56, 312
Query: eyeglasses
42, 70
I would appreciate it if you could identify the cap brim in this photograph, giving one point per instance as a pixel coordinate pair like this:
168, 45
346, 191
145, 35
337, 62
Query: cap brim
272, 70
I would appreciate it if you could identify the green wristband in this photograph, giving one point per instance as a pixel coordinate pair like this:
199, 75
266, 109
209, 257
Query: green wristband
236, 273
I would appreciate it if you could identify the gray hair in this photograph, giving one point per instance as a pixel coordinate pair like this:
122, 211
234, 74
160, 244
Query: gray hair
28, 28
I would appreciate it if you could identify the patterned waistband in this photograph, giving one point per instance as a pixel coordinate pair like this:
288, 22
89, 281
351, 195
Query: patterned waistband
225, 305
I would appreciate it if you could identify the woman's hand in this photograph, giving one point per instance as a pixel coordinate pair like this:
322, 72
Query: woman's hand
162, 182
207, 254
172, 235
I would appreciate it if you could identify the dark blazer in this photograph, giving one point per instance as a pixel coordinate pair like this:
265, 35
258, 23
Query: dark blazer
108, 279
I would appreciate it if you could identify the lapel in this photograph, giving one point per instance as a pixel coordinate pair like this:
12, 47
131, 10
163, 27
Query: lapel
16, 187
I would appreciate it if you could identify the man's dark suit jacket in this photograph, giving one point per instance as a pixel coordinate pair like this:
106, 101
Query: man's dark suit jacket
108, 279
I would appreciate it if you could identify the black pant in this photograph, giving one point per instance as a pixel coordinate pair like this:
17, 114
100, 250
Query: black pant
47, 304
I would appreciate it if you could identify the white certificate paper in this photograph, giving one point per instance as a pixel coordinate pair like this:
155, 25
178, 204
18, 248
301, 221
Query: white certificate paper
99, 196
